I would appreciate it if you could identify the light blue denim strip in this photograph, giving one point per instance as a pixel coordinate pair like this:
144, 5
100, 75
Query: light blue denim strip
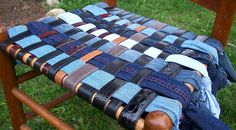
106, 47
128, 15
203, 47
149, 23
13, 31
63, 28
71, 67
148, 31
168, 29
130, 55
95, 10
156, 64
43, 50
92, 41
48, 19
126, 92
170, 39
109, 19
133, 26
138, 19
122, 22
79, 35
58, 58
98, 79
28, 41
169, 106
102, 5
191, 77
189, 35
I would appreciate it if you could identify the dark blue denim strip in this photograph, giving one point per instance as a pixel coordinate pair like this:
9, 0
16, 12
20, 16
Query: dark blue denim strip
128, 72
101, 60
114, 66
167, 86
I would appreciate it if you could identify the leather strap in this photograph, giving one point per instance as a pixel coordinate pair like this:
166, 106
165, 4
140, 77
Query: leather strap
56, 23
143, 60
171, 69
133, 111
104, 94
73, 79
45, 58
117, 50
99, 43
113, 107
140, 48
72, 32
56, 67
25, 50
86, 92
115, 66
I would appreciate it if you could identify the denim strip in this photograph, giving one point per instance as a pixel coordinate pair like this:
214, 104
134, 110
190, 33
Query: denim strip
101, 60
128, 72
14, 31
25, 42
130, 55
63, 28
41, 51
70, 18
97, 81
95, 10
156, 64
58, 58
71, 67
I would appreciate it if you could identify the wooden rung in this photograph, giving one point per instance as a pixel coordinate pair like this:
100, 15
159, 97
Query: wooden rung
51, 104
209, 4
40, 110
27, 76
24, 127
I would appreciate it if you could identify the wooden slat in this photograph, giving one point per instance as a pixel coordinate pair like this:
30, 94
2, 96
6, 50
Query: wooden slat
40, 110
51, 104
27, 76
209, 4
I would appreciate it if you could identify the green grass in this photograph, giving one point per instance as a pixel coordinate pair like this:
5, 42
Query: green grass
82, 115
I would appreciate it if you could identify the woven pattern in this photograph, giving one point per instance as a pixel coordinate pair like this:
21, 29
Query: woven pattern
113, 58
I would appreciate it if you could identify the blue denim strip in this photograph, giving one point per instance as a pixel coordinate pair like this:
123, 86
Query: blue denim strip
63, 28
128, 72
167, 86
156, 64
98, 79
71, 67
169, 106
25, 42
107, 47
58, 58
101, 60
130, 55
133, 26
111, 18
79, 35
189, 35
55, 39
95, 10
127, 16
126, 92
149, 23
83, 52
13, 31
203, 47
170, 39
38, 28
102, 5
168, 29
41, 51
48, 19
122, 22
215, 43
92, 41
148, 31
190, 77
138, 19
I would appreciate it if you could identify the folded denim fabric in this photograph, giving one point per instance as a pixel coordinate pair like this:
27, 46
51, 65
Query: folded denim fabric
204, 120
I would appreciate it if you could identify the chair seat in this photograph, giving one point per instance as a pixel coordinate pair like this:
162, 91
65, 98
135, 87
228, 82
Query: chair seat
116, 59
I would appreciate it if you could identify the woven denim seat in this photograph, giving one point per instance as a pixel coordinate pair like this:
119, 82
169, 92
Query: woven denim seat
120, 61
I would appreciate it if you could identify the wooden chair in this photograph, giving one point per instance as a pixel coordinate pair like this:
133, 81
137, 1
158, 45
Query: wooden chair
224, 10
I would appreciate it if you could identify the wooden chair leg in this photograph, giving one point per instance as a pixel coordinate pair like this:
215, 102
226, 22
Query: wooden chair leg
9, 81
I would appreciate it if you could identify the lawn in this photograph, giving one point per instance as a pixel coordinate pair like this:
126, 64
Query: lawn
82, 115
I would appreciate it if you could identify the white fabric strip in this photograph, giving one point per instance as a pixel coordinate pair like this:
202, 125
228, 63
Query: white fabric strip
111, 37
153, 52
87, 27
188, 62
99, 32
129, 43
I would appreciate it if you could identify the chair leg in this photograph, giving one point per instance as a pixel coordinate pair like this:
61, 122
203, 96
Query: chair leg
9, 81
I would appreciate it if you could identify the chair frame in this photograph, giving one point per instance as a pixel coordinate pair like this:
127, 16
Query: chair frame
15, 97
